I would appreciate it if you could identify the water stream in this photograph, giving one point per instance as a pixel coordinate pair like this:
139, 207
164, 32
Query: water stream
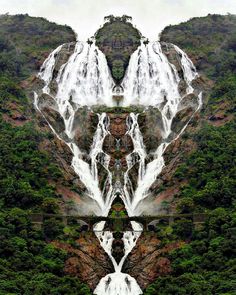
85, 80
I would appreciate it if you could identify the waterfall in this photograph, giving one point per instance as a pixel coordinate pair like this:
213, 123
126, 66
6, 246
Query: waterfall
137, 156
118, 283
152, 80
85, 80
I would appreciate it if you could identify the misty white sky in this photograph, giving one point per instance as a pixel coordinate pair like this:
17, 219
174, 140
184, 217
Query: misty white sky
150, 16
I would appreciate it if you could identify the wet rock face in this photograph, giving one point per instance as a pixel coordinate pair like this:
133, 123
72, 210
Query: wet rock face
147, 260
54, 119
151, 126
84, 126
118, 144
88, 260
63, 56
118, 247
172, 56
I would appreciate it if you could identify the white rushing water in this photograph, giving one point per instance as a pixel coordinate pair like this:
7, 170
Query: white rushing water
85, 80
152, 80
118, 283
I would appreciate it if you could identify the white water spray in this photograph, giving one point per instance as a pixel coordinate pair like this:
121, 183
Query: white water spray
118, 283
85, 80
152, 80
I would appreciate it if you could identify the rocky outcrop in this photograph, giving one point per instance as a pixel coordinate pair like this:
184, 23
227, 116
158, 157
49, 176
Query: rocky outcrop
165, 189
147, 260
84, 126
118, 144
61, 58
118, 39
151, 126
54, 119
87, 260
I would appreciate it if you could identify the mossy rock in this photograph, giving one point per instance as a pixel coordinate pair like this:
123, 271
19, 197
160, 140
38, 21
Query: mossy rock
118, 39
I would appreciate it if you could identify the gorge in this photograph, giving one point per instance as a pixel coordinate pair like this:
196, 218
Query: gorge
158, 75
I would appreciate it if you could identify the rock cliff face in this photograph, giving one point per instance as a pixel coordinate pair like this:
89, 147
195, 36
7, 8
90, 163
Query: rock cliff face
70, 190
147, 260
118, 144
87, 260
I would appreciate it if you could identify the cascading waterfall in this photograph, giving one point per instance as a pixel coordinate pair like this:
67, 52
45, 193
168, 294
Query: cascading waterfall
118, 283
152, 80
138, 155
85, 80
86, 65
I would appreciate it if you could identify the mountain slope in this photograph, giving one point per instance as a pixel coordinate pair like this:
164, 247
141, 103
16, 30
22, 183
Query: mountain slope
205, 263
28, 169
210, 43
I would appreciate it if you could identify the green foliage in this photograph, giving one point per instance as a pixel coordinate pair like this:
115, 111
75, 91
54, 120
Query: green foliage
117, 28
210, 39
186, 205
25, 255
224, 93
24, 44
24, 170
28, 264
52, 228
211, 43
25, 41
207, 264
11, 93
118, 70
118, 39
211, 169
124, 19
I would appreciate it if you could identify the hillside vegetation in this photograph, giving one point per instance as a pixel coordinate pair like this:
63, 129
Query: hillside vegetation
29, 263
206, 263
26, 41
211, 43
